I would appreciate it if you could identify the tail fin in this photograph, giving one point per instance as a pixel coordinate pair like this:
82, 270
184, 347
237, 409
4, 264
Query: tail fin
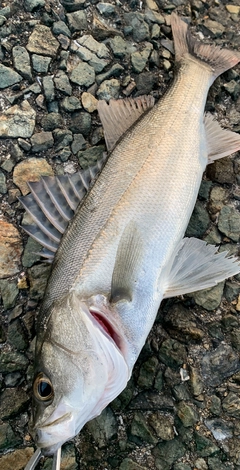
218, 59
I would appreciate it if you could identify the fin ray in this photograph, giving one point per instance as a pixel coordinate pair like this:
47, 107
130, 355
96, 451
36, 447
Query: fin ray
220, 142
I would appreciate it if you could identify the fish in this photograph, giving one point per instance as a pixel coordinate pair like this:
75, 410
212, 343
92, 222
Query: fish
114, 235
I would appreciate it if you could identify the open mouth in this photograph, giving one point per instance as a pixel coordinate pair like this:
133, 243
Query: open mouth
106, 326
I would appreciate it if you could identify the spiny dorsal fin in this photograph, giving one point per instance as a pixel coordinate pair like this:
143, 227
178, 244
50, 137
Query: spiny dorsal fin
127, 264
119, 115
52, 203
220, 142
198, 266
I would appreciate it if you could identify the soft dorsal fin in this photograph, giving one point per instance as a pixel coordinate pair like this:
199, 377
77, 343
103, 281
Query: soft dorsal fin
52, 203
220, 142
127, 264
119, 115
198, 266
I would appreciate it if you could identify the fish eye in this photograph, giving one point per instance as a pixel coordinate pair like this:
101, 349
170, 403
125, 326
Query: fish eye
42, 388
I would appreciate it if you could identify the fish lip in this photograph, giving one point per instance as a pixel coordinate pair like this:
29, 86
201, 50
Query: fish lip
106, 326
56, 421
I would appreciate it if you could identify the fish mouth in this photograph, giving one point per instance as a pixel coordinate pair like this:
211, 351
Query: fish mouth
56, 421
107, 326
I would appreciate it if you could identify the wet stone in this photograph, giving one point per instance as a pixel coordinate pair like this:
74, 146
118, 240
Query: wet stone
79, 143
162, 425
16, 335
42, 41
41, 141
8, 292
7, 437
77, 21
51, 121
3, 186
80, 123
219, 364
138, 27
12, 401
187, 414
166, 453
231, 405
21, 61
8, 77
103, 428
83, 74
109, 89
90, 156
172, 353
147, 373
12, 361
17, 459
48, 87
209, 298
40, 63
18, 121
30, 170
204, 446
38, 276
140, 430
62, 83
229, 222
199, 221
10, 249
70, 104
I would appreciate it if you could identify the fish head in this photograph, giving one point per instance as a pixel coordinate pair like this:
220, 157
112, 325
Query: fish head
78, 370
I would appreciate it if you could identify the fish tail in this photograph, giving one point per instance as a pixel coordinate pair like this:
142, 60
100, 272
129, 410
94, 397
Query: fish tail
218, 59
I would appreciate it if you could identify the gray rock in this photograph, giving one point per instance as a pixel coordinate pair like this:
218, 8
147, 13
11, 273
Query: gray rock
9, 292
139, 59
31, 5
83, 74
21, 61
62, 83
77, 21
48, 88
114, 71
41, 63
180, 321
129, 464
139, 27
103, 428
12, 401
88, 42
120, 47
231, 290
229, 222
204, 446
80, 123
90, 156
6, 11
42, 41
8, 77
181, 466
199, 221
217, 29
79, 143
145, 82
216, 464
59, 27
3, 186
38, 276
64, 55
16, 335
220, 429
62, 137
109, 89
162, 425
18, 121
222, 171
30, 254
64, 154
7, 437
147, 373
41, 141
167, 452
154, 17
231, 405
187, 414
8, 164
106, 9
51, 121
140, 430
209, 298
219, 364
172, 353
12, 361
71, 104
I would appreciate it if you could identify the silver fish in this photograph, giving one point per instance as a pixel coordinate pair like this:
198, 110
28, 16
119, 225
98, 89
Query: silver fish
123, 250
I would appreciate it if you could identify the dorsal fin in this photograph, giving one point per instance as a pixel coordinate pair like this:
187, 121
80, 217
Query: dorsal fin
119, 115
52, 203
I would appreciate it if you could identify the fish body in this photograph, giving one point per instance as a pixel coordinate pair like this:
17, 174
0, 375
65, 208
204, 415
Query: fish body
124, 250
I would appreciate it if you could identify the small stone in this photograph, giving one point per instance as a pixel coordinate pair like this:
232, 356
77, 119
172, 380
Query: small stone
199, 221
100, 49
62, 138
77, 21
8, 77
64, 41
62, 83
7, 438
18, 121
196, 382
219, 364
139, 27
152, 5
12, 401
129, 464
229, 222
103, 428
204, 446
154, 17
89, 102
64, 154
231, 291
90, 156
233, 9
215, 405
42, 41
145, 82
30, 254
38, 276
16, 335
218, 196
231, 405
70, 104
21, 61
83, 74
209, 298
80, 123
8, 164
106, 9
221, 171
167, 452
219, 429
147, 373
59, 27
41, 141
51, 121
187, 414
114, 71
17, 459
41, 63
217, 29
12, 361
9, 293
79, 143
141, 430
30, 170
3, 186
139, 59
31, 5
180, 321
119, 46
109, 89
48, 87
10, 249
172, 353
162, 425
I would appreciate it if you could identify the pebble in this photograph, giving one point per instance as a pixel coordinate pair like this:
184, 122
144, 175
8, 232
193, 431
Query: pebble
233, 9
167, 452
3, 186
89, 102
120, 47
129, 464
9, 293
172, 353
12, 401
77, 21
38, 276
41, 63
62, 83
140, 430
18, 121
80, 123
209, 298
48, 88
103, 428
229, 222
139, 59
30, 254
109, 89
21, 61
90, 156
106, 9
51, 121
162, 424
199, 221
70, 104
59, 27
30, 170
42, 41
79, 143
216, 28
219, 364
231, 405
17, 459
8, 77
138, 27
32, 5
187, 414
41, 141
83, 74
10, 249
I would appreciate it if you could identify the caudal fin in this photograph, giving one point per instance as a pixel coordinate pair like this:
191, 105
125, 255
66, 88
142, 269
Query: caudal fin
218, 59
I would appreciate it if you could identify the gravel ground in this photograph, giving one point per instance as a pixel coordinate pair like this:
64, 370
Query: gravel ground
181, 409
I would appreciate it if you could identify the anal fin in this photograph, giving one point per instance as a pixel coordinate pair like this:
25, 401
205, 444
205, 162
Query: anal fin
220, 142
198, 266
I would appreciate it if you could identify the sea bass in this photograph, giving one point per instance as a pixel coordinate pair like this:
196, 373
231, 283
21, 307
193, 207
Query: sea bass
117, 241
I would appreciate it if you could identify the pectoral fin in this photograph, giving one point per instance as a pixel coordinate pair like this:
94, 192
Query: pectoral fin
127, 264
198, 266
220, 142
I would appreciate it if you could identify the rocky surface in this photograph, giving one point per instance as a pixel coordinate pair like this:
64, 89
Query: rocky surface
181, 409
